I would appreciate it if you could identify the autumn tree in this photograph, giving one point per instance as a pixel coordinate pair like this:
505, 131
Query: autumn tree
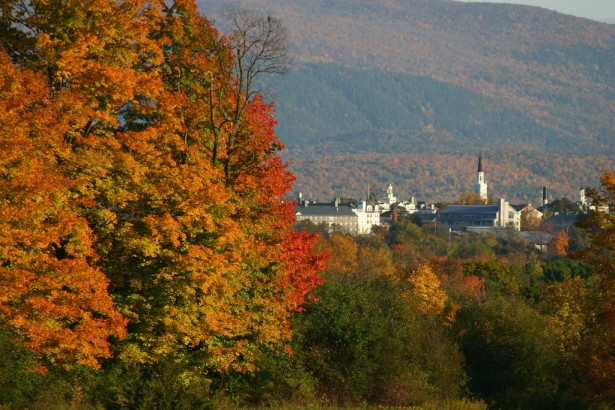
258, 45
376, 261
564, 302
51, 291
195, 248
471, 198
598, 358
559, 244
343, 255
433, 299
530, 221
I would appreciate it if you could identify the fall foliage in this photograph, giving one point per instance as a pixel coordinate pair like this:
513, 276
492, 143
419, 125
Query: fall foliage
148, 260
119, 185
559, 244
599, 343
50, 287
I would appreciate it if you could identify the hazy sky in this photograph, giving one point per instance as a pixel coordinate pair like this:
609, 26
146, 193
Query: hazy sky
594, 9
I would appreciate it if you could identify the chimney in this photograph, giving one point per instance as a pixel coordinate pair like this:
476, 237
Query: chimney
544, 195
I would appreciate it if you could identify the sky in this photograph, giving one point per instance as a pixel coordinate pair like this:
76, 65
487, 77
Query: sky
601, 10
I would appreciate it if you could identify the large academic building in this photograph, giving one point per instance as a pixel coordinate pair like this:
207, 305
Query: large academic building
353, 220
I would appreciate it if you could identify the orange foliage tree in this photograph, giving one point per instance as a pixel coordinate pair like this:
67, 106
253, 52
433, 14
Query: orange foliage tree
51, 291
598, 357
198, 254
559, 244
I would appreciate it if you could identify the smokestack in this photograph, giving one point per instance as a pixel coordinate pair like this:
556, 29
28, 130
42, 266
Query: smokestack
544, 195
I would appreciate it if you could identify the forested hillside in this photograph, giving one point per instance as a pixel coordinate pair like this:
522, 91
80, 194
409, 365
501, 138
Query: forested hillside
423, 77
325, 172
327, 102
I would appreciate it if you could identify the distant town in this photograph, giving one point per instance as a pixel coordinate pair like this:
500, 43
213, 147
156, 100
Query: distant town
476, 213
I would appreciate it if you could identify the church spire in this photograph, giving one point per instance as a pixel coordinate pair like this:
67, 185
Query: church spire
480, 187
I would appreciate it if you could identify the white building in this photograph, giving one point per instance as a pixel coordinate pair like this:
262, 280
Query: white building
334, 215
357, 220
368, 215
480, 187
391, 199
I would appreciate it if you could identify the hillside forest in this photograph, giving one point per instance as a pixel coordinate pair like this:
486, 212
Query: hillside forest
409, 80
148, 259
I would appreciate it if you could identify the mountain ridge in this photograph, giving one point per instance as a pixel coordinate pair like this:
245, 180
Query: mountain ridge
541, 69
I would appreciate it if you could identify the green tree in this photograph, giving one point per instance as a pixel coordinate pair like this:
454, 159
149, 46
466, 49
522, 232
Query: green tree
500, 278
510, 352
562, 206
365, 341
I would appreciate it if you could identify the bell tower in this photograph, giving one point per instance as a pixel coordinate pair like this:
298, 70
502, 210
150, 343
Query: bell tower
480, 187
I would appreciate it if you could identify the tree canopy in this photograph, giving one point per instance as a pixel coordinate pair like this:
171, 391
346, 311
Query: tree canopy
123, 214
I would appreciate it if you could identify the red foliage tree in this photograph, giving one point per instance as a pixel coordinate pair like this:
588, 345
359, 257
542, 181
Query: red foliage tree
122, 123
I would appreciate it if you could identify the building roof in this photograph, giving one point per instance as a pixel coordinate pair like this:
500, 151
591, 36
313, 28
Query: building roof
519, 208
470, 209
562, 220
323, 210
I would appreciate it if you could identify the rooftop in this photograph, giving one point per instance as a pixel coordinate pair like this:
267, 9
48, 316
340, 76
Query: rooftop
324, 210
470, 209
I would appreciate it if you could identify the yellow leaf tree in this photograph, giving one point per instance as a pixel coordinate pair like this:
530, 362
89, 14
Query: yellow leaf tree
434, 301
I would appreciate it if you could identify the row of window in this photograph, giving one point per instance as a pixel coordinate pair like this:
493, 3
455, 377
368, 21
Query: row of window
329, 218
473, 223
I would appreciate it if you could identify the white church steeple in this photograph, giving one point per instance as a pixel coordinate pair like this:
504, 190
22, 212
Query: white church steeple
480, 187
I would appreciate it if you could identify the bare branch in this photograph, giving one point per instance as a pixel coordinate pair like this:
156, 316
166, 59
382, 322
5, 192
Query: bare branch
260, 44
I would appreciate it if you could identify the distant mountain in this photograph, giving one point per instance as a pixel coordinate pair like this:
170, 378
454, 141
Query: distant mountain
396, 111
429, 77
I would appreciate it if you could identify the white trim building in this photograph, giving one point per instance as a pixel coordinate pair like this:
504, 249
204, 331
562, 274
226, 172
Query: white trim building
368, 215
461, 217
